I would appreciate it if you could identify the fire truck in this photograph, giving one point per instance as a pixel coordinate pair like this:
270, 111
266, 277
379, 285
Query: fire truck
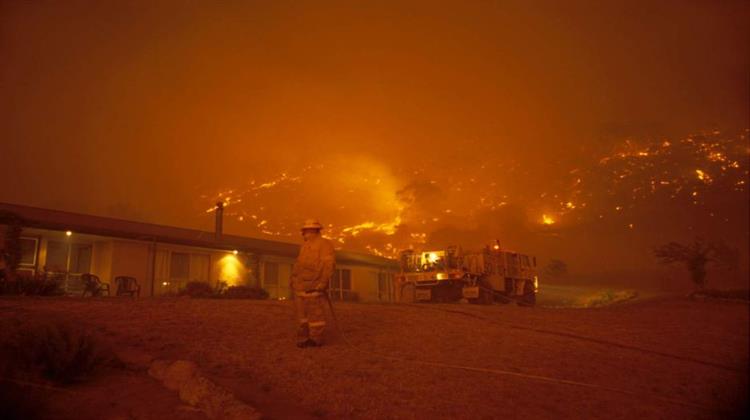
449, 275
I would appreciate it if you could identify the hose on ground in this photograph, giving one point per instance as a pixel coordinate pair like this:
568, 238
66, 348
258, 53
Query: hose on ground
502, 372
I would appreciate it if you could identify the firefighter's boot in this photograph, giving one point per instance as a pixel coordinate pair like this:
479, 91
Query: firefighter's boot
303, 334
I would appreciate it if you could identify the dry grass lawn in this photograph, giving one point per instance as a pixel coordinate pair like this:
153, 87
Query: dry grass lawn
695, 352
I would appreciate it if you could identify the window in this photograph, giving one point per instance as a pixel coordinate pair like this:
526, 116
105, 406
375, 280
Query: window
342, 280
29, 251
58, 254
513, 265
179, 266
200, 267
270, 274
341, 285
175, 269
67, 261
525, 261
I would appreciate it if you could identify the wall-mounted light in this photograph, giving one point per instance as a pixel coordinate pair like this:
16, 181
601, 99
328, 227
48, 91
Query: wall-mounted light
235, 252
68, 233
232, 270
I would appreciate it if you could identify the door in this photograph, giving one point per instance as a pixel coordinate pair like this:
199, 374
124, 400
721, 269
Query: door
67, 261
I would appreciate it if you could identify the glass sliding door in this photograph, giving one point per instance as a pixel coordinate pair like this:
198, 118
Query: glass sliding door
67, 261
79, 262
174, 269
179, 271
271, 279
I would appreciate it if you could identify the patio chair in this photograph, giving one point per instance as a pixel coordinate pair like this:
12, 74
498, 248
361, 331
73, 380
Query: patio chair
127, 286
92, 284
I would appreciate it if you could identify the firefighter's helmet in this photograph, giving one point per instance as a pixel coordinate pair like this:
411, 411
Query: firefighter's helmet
312, 224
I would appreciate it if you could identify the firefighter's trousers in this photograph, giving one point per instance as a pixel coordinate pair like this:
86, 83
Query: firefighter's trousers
310, 315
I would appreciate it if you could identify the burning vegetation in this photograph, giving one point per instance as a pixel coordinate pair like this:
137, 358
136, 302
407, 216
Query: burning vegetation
383, 209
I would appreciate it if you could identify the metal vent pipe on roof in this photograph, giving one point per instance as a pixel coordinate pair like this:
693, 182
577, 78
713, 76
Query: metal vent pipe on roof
219, 219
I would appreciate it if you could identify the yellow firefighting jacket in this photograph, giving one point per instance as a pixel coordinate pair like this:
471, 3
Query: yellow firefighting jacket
314, 266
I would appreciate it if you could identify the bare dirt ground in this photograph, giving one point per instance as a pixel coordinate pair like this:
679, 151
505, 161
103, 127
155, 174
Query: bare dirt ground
661, 353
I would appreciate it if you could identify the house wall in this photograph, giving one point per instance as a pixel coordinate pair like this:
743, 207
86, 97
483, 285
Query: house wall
111, 257
364, 280
132, 259
285, 274
229, 268
365, 283
101, 261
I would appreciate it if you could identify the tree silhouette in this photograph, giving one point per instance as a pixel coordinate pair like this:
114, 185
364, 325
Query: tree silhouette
696, 256
556, 269
10, 242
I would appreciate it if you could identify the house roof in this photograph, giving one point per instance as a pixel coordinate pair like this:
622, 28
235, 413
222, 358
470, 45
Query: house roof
106, 226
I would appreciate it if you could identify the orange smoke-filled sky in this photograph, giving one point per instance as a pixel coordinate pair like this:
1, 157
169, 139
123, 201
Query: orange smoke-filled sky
148, 110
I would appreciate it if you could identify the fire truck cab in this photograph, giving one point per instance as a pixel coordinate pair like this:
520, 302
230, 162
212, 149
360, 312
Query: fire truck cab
490, 275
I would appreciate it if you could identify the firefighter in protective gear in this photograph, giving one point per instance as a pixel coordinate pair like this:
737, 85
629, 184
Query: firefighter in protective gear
311, 276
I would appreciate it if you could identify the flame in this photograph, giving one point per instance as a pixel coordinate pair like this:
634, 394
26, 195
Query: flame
389, 228
609, 184
283, 178
703, 176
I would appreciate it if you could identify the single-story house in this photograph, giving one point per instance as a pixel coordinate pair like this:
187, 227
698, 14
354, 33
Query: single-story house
164, 258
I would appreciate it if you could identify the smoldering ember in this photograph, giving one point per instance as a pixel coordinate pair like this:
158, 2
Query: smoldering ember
377, 210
